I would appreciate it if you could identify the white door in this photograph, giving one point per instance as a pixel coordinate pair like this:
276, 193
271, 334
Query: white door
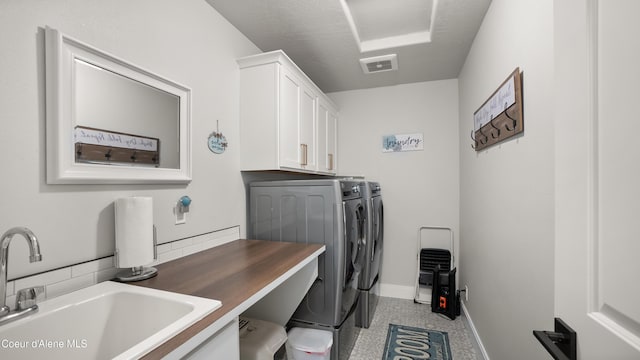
597, 273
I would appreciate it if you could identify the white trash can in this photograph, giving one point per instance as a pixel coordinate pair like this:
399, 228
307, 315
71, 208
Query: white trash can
309, 344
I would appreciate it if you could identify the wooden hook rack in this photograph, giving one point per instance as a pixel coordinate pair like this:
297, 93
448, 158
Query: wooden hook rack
109, 147
90, 153
500, 117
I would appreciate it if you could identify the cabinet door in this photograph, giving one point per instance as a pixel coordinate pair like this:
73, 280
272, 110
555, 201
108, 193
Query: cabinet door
327, 122
332, 142
308, 158
289, 120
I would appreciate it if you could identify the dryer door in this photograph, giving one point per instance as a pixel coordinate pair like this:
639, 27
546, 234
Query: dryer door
355, 220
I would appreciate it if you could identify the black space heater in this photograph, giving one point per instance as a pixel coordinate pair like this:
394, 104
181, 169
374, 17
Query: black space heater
444, 297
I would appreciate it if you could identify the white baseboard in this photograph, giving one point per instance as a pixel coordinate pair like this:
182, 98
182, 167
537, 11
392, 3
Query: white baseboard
405, 292
475, 332
397, 291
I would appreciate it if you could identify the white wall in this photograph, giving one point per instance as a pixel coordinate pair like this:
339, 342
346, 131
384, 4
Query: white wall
418, 187
186, 41
507, 191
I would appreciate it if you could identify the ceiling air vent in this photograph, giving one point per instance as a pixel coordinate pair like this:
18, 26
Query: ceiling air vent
379, 63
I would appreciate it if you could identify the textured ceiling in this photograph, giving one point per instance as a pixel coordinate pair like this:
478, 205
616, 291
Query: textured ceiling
318, 38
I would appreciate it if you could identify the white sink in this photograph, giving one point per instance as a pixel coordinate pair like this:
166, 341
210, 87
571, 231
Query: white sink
108, 320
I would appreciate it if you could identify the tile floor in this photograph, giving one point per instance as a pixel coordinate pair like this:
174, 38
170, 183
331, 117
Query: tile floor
370, 343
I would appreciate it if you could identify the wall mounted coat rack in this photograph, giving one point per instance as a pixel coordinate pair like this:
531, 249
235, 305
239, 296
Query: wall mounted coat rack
500, 117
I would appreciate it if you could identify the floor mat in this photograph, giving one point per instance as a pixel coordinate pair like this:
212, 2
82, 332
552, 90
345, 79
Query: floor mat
408, 343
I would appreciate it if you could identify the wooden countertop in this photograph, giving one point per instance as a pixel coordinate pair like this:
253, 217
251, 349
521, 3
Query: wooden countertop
231, 273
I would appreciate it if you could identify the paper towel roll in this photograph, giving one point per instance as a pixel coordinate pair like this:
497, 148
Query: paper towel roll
134, 231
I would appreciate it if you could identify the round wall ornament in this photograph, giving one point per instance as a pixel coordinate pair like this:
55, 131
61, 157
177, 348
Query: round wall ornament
217, 142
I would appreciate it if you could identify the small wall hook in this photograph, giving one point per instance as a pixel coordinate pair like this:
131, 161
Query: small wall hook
475, 142
495, 127
515, 123
485, 137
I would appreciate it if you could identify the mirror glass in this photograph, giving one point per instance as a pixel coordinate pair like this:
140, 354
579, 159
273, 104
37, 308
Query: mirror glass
115, 104
109, 121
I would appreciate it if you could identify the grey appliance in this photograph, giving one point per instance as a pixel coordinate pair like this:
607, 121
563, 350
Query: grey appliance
368, 298
324, 211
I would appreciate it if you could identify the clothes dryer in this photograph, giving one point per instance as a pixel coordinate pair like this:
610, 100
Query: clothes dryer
368, 298
329, 212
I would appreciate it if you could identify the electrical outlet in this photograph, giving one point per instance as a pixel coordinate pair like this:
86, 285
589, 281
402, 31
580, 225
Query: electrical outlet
466, 293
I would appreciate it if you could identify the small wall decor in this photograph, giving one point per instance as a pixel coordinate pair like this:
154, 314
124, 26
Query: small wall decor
500, 117
402, 142
217, 142
110, 147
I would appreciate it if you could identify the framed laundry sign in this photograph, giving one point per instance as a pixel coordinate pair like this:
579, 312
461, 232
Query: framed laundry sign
402, 142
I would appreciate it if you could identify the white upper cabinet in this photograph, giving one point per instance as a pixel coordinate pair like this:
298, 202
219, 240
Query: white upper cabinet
286, 122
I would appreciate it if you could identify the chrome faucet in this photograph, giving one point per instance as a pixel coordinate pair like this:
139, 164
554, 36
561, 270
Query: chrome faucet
34, 252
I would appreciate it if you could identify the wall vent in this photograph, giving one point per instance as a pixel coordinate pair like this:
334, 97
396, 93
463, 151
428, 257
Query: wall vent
379, 63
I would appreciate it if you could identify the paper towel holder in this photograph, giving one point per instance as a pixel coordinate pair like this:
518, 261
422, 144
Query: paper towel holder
138, 273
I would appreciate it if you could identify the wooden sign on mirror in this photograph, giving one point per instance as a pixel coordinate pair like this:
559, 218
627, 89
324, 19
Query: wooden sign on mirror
98, 146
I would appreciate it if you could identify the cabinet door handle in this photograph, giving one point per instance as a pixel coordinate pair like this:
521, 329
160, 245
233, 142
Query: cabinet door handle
330, 161
303, 148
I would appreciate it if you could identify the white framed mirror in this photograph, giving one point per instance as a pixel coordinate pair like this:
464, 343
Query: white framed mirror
111, 122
